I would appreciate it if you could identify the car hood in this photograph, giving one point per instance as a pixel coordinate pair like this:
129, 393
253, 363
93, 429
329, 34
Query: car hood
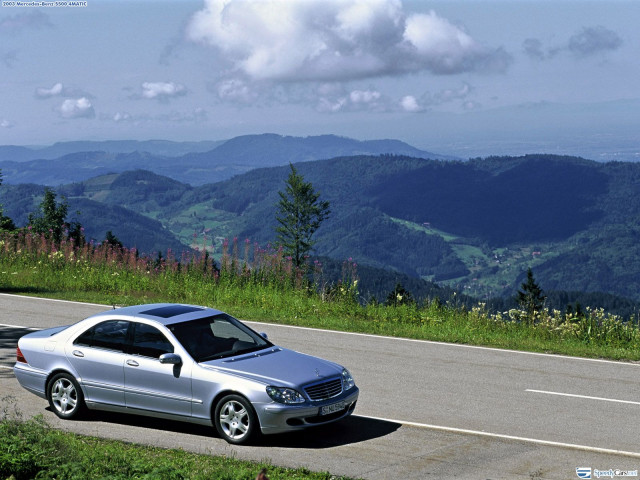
277, 366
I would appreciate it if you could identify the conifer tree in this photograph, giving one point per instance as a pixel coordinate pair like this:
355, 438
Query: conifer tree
300, 213
531, 297
51, 222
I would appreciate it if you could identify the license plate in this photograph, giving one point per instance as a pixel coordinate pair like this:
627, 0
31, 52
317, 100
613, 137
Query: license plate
336, 407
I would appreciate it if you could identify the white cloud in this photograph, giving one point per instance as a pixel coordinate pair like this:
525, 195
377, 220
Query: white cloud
49, 92
4, 123
409, 103
162, 90
237, 91
316, 40
77, 108
122, 117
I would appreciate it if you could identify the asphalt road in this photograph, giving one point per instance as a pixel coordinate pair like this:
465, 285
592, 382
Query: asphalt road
426, 410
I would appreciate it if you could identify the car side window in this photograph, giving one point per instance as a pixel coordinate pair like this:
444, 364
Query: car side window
148, 341
111, 335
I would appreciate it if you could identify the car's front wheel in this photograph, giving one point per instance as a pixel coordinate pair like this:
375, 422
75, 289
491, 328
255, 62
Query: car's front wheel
235, 419
65, 397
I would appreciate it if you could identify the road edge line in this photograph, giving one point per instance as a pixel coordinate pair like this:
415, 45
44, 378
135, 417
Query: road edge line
548, 443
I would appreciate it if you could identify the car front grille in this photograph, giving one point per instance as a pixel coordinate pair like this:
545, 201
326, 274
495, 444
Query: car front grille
324, 390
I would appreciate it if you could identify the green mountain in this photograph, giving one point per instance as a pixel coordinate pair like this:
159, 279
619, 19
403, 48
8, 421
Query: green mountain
472, 226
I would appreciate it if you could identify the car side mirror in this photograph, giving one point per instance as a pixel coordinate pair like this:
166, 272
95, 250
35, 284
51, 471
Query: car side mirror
170, 359
264, 335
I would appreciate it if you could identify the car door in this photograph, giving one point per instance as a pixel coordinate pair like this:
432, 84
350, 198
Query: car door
151, 385
98, 356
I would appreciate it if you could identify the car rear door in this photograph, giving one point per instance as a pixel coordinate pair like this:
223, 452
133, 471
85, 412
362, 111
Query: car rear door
98, 357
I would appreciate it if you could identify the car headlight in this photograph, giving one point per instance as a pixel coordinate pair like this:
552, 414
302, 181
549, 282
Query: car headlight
347, 380
284, 395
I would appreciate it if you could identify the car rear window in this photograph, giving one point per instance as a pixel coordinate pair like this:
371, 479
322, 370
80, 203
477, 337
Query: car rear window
111, 335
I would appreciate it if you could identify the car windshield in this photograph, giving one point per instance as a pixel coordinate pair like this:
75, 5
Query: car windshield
217, 337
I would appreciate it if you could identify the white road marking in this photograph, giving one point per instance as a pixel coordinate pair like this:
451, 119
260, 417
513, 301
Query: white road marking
508, 437
399, 339
583, 396
456, 345
18, 326
54, 300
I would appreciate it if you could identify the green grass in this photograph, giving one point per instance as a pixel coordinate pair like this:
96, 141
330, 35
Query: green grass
263, 286
30, 448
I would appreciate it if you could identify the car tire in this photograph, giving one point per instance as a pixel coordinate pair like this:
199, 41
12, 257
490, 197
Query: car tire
65, 396
235, 419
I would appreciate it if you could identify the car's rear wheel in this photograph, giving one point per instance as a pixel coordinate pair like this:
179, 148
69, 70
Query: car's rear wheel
235, 419
65, 397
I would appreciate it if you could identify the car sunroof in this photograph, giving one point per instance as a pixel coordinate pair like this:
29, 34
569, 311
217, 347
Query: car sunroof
171, 310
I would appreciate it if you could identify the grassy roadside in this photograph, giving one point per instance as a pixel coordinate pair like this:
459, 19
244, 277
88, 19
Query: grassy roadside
32, 449
263, 286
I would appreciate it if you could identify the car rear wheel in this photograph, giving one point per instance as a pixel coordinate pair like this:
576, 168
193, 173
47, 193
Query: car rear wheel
65, 397
235, 419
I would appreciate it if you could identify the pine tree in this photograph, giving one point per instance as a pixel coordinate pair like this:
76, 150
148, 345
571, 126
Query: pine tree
531, 297
51, 222
300, 213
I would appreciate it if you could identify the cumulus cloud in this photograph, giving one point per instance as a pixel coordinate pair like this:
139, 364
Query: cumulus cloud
316, 40
13, 24
594, 40
587, 42
409, 103
59, 90
4, 123
237, 91
162, 90
77, 108
49, 92
335, 98
122, 117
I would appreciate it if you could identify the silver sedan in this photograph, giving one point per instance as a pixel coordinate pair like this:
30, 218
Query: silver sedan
183, 362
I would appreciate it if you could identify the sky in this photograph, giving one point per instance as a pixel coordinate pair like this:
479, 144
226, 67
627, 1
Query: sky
459, 77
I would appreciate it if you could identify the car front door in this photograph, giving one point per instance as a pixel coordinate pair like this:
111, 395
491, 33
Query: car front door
151, 385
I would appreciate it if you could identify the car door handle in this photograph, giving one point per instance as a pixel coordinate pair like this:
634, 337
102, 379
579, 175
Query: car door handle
132, 363
77, 353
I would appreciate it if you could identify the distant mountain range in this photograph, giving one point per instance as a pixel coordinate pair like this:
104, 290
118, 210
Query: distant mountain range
474, 226
195, 163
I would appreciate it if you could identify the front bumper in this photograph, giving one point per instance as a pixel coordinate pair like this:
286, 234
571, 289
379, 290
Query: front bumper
277, 417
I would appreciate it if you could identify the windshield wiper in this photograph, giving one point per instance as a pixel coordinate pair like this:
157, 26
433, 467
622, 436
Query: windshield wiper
231, 353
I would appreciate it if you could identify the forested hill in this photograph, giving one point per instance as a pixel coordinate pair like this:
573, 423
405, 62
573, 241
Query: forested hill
476, 225
204, 162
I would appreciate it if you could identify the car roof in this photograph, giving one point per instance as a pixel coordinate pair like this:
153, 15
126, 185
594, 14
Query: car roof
164, 313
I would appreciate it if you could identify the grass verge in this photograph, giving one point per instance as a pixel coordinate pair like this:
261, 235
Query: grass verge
30, 448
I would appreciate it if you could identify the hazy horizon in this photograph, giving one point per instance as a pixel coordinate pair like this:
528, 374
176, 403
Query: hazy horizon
465, 78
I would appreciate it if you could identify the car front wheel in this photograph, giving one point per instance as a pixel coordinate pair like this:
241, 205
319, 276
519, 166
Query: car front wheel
235, 419
65, 397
